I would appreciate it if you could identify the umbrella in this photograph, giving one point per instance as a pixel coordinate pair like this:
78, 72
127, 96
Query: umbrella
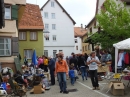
34, 58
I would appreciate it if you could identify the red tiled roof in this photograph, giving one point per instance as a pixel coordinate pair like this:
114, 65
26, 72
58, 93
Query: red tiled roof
79, 32
32, 18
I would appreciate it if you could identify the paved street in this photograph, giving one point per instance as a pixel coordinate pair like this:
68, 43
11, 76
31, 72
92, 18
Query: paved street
84, 90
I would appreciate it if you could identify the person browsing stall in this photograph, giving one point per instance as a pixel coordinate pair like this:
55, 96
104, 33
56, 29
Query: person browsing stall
61, 69
93, 62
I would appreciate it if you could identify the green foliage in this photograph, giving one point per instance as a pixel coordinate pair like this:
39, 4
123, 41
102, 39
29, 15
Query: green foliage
114, 21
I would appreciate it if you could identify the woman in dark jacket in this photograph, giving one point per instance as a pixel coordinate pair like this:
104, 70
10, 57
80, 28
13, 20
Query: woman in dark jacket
74, 61
83, 68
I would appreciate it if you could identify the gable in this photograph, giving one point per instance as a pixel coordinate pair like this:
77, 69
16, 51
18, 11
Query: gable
61, 8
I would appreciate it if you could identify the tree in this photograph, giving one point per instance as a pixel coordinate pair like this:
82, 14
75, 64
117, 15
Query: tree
114, 21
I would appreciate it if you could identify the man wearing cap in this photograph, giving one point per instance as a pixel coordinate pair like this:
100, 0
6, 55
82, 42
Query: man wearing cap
52, 69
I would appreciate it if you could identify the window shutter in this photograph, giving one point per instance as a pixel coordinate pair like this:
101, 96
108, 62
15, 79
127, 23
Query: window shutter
15, 46
14, 12
2, 12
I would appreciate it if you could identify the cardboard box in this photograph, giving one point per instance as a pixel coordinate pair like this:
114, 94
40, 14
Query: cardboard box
37, 89
103, 69
117, 88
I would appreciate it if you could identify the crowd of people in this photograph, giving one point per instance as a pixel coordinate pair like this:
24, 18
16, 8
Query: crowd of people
72, 66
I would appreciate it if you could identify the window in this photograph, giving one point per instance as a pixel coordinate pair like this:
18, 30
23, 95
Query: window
83, 48
22, 35
76, 47
47, 38
86, 47
53, 15
46, 14
53, 26
52, 4
46, 26
95, 24
7, 12
5, 46
54, 53
28, 53
33, 35
76, 41
46, 53
91, 30
89, 47
54, 37
60, 50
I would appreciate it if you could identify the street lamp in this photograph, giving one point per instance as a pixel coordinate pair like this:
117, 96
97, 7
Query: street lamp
46, 33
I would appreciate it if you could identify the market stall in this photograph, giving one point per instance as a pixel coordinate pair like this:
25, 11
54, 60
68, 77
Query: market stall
123, 45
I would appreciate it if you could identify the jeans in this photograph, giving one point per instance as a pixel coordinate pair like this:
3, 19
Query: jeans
83, 72
52, 76
62, 80
72, 80
94, 78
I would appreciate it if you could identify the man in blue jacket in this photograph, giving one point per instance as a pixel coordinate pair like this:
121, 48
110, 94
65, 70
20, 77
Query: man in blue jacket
51, 66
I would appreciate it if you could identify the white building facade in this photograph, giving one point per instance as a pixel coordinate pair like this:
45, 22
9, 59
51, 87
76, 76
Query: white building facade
78, 45
59, 29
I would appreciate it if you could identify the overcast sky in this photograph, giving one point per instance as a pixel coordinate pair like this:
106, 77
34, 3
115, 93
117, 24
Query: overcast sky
82, 11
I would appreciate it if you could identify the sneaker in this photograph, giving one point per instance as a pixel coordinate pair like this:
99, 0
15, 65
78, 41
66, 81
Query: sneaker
93, 88
65, 92
72, 84
61, 91
97, 88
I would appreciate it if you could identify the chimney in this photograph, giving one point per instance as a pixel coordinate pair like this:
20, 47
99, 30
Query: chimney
85, 26
81, 26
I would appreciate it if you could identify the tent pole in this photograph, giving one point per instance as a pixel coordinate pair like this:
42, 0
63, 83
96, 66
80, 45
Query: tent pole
116, 56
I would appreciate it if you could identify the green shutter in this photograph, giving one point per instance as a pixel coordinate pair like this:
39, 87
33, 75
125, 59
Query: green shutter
14, 12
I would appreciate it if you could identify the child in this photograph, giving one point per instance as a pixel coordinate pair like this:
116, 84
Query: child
72, 75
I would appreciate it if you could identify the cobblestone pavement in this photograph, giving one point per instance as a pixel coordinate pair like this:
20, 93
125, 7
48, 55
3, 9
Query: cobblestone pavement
84, 90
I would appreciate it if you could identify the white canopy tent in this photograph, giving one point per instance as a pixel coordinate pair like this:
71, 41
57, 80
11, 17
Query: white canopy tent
124, 45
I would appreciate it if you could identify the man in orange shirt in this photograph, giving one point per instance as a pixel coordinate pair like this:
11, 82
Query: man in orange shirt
61, 69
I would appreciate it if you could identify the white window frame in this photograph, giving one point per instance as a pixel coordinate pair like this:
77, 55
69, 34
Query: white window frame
60, 50
53, 15
28, 53
46, 53
54, 37
76, 40
34, 35
89, 47
77, 48
7, 16
5, 46
22, 36
47, 38
52, 4
54, 53
46, 15
46, 26
53, 26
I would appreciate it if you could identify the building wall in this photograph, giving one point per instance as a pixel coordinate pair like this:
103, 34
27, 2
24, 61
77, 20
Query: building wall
20, 12
64, 28
10, 30
79, 46
15, 2
87, 47
67, 50
37, 45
